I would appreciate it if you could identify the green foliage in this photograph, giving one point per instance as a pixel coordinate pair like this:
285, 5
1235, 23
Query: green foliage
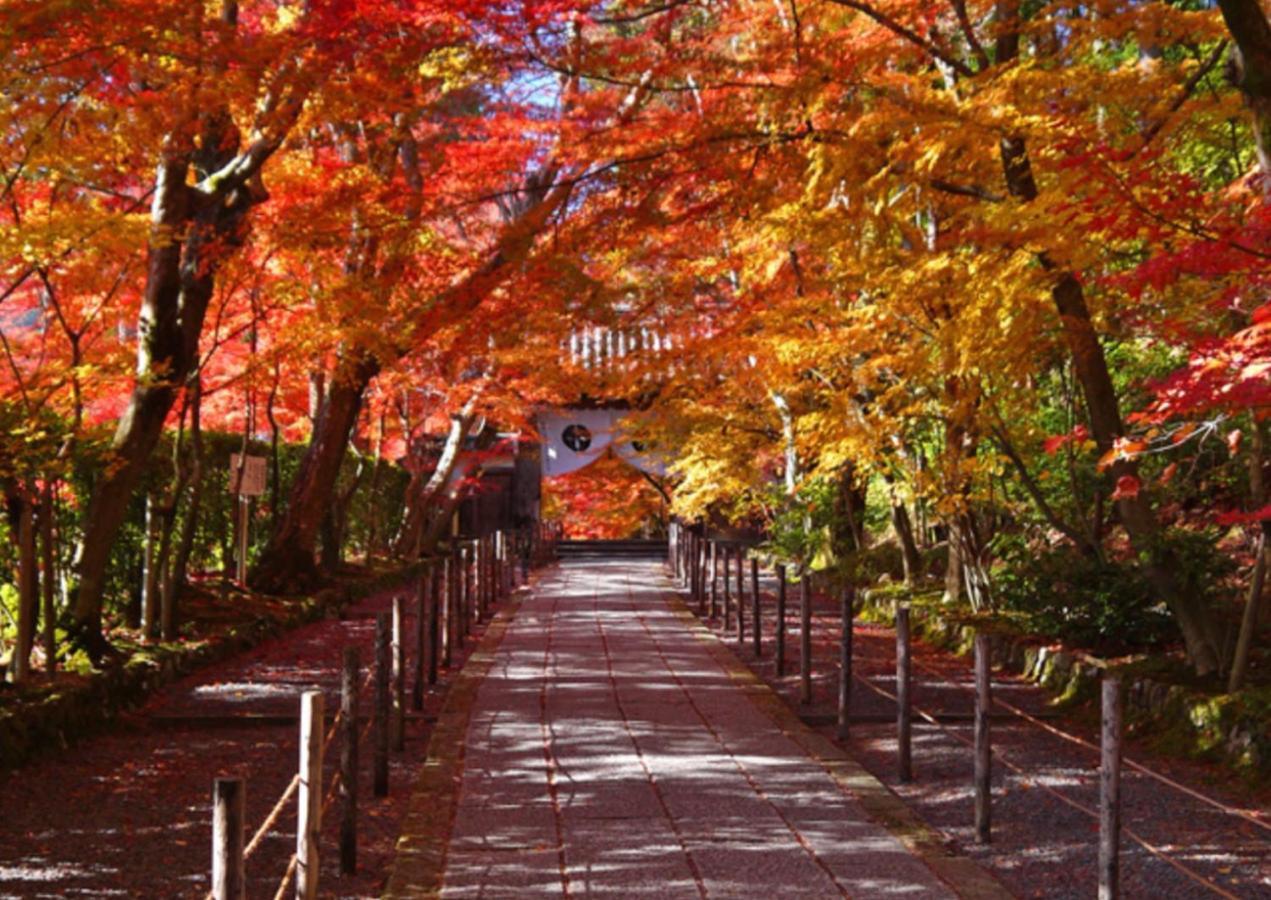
802, 527
212, 551
1101, 605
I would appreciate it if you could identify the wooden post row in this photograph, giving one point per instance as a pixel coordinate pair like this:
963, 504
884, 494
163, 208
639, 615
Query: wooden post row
421, 640
904, 767
379, 729
452, 568
846, 616
398, 730
229, 802
350, 679
727, 587
492, 595
714, 576
486, 594
435, 575
476, 600
465, 594
505, 564
490, 587
983, 752
779, 651
690, 569
706, 552
309, 798
1110, 790
805, 638
756, 614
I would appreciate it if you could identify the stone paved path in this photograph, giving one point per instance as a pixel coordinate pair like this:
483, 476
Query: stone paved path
609, 753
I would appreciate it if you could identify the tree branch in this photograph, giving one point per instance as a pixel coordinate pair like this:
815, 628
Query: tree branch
910, 35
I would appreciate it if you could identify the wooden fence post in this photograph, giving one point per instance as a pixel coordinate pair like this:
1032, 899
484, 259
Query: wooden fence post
476, 602
492, 573
229, 880
727, 587
398, 730
692, 553
309, 798
846, 616
465, 594
983, 750
496, 573
698, 574
421, 639
805, 638
496, 563
509, 569
756, 611
452, 567
350, 677
714, 576
486, 593
507, 577
381, 713
435, 574
779, 653
1110, 791
477, 586
690, 570
904, 766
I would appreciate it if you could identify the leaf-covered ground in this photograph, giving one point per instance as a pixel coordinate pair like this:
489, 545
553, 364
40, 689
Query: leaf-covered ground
129, 815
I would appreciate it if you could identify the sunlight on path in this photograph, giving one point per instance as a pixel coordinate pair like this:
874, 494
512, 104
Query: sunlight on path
609, 753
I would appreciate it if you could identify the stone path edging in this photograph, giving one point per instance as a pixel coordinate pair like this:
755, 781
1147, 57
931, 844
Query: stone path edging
421, 850
962, 874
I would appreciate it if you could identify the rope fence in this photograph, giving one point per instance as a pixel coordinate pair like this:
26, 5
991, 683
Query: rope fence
694, 559
455, 594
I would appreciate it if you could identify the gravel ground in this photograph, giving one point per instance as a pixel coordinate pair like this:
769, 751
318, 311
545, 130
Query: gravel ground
129, 814
1041, 846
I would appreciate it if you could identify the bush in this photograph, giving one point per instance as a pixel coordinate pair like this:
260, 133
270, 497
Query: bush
1100, 605
368, 516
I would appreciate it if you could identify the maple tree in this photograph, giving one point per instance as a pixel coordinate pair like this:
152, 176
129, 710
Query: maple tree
959, 272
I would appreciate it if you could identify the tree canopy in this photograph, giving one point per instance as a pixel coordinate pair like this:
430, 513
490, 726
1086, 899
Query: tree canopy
997, 270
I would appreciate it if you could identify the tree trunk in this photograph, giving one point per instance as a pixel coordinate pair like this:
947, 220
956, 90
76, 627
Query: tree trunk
179, 282
136, 437
175, 576
449, 497
373, 513
1251, 72
287, 563
422, 499
850, 510
1249, 621
28, 588
1257, 582
48, 554
275, 446
439, 518
150, 568
911, 559
953, 565
1135, 511
335, 524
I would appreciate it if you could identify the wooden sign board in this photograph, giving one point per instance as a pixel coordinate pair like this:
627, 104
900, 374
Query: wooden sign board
253, 476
